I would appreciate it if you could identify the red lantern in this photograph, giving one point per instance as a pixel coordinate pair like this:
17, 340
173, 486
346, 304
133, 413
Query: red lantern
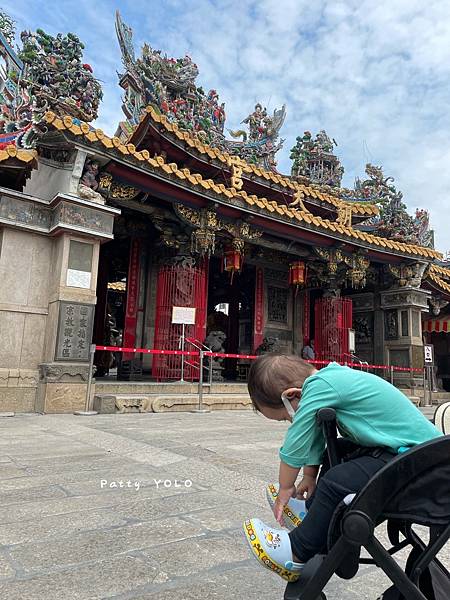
232, 261
297, 273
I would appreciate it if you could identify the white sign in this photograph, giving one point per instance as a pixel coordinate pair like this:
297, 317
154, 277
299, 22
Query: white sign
79, 279
428, 354
183, 314
351, 341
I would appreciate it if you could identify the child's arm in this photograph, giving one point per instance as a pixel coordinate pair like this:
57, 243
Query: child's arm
287, 478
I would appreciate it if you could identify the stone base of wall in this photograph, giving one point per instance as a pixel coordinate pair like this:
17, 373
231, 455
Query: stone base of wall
62, 397
18, 390
62, 387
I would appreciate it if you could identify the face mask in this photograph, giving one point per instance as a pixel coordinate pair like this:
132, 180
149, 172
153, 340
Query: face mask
287, 404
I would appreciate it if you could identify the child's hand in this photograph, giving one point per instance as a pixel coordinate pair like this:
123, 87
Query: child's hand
306, 486
284, 495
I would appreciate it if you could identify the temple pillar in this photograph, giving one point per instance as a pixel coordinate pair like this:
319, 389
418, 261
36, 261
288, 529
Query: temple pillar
63, 370
130, 365
402, 328
258, 321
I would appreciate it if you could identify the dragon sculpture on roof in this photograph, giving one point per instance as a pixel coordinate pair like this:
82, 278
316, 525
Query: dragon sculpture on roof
169, 86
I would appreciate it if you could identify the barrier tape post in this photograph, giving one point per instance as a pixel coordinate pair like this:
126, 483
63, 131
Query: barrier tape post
200, 408
210, 373
430, 386
425, 392
391, 374
87, 412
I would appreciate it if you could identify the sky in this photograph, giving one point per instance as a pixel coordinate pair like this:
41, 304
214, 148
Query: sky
375, 74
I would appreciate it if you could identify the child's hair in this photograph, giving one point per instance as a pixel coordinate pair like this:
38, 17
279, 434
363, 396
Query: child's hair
271, 374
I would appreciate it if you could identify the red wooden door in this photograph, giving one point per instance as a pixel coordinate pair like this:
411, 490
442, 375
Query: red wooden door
179, 285
333, 319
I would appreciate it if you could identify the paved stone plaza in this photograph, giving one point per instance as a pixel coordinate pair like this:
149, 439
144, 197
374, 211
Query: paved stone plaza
67, 532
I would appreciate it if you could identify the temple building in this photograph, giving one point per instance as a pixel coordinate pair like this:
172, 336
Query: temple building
100, 237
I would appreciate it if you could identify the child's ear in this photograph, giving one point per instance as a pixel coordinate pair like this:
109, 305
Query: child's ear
293, 393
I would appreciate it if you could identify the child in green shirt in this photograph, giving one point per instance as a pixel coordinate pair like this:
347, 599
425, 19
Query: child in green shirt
376, 421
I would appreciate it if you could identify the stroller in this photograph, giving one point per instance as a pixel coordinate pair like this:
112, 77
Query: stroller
411, 489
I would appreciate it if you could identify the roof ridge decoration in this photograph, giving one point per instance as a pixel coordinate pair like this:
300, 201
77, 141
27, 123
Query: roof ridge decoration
314, 159
47, 73
169, 86
196, 180
393, 220
7, 27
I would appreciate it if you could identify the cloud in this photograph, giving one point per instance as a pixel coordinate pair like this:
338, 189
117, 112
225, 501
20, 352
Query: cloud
374, 75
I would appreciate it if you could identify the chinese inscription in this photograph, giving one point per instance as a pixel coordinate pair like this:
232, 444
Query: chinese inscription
74, 331
277, 300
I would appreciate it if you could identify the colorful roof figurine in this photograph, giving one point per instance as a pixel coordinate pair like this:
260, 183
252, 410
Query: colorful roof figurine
315, 160
48, 73
7, 28
393, 220
169, 87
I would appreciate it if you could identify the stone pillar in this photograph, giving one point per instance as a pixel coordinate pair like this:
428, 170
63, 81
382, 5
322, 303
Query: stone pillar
402, 328
63, 373
71, 303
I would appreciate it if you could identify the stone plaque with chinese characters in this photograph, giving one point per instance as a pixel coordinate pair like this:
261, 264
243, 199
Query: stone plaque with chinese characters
74, 331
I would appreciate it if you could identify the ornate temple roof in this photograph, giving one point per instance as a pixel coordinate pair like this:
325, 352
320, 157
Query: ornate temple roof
315, 191
265, 206
162, 101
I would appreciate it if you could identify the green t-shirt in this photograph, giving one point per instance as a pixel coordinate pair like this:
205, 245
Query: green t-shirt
370, 411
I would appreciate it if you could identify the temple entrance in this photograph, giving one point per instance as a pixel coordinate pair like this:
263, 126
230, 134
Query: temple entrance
109, 323
179, 285
231, 301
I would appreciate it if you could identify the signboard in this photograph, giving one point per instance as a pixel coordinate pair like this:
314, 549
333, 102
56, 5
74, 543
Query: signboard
74, 331
351, 341
183, 315
79, 279
428, 355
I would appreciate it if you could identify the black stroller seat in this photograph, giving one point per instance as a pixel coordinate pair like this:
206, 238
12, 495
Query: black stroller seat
411, 489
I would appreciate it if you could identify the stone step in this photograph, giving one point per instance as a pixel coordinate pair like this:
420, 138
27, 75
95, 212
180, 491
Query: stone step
149, 387
127, 403
437, 396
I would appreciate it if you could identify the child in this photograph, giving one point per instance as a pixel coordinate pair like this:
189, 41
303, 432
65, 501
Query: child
376, 420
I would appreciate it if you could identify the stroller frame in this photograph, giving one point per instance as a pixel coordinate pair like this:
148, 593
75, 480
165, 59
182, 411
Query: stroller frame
353, 527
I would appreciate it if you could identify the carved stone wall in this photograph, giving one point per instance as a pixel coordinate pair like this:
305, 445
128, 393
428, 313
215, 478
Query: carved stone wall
46, 310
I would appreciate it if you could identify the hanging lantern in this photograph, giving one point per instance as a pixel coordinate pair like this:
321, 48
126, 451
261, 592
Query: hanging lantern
297, 273
233, 257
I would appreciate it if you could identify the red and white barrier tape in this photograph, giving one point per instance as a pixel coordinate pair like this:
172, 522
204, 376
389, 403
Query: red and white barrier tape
246, 356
